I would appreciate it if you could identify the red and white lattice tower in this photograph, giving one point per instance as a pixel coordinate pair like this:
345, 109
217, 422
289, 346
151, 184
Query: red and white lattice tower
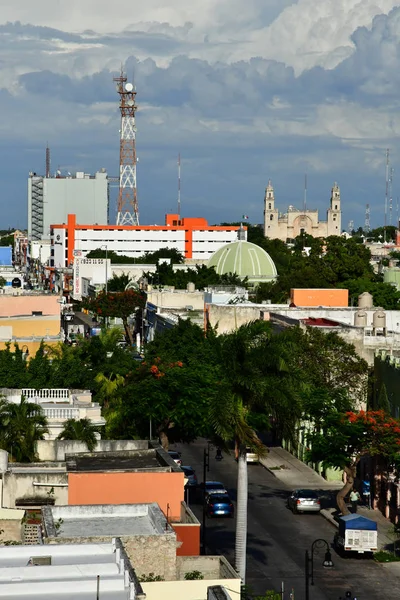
128, 210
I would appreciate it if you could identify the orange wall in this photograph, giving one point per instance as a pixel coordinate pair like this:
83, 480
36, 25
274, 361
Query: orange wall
13, 306
128, 488
319, 297
189, 536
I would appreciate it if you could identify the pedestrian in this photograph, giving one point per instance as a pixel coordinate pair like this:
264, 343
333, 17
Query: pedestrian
354, 499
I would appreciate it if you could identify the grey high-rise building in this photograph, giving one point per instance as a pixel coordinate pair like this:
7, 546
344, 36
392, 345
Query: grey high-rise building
51, 199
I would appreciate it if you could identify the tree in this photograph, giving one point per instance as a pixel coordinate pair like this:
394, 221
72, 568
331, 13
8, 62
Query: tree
119, 283
117, 304
21, 426
82, 430
348, 437
257, 381
173, 396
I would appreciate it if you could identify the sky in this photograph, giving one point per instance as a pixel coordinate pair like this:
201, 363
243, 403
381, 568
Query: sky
244, 91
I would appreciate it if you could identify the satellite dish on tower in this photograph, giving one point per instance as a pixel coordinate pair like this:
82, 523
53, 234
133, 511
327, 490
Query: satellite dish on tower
128, 87
130, 103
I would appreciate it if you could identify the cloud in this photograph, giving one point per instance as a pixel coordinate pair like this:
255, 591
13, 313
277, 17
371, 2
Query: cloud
286, 88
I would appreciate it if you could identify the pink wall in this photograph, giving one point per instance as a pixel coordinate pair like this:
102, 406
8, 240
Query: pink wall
13, 306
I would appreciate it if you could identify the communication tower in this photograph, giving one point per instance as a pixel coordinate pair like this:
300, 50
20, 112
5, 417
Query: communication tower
350, 227
48, 162
128, 210
367, 223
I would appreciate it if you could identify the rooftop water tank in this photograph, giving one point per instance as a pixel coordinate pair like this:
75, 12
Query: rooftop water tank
3, 461
360, 318
191, 287
379, 319
365, 300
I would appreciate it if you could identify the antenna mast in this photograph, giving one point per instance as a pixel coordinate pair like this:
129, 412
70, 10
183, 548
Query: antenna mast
305, 193
179, 185
128, 210
386, 194
367, 224
48, 163
390, 195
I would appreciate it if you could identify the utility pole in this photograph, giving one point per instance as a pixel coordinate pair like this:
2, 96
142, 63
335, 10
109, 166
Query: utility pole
206, 468
179, 185
386, 193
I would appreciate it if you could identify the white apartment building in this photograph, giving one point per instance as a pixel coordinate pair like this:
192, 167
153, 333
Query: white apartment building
59, 405
194, 238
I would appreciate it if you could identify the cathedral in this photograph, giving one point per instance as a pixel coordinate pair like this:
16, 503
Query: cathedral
294, 222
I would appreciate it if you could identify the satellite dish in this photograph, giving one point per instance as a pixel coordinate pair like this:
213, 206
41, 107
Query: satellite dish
128, 87
130, 103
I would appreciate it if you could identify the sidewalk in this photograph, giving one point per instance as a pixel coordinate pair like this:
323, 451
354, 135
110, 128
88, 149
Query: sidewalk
295, 474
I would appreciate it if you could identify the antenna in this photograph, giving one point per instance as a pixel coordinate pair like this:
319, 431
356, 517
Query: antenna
305, 193
367, 224
179, 185
390, 195
386, 194
350, 227
128, 210
48, 163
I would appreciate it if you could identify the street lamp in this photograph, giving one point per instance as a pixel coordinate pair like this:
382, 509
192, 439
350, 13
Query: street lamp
309, 562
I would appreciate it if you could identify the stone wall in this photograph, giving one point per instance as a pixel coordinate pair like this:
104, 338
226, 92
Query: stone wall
49, 450
19, 486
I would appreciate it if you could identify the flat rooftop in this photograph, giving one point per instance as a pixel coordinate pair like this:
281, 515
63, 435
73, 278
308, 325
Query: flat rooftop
152, 459
67, 572
99, 520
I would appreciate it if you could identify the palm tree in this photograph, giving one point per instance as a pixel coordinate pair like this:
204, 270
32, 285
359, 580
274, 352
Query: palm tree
21, 426
257, 382
82, 430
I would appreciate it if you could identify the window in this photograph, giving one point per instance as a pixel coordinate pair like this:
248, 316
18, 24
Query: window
269, 206
335, 206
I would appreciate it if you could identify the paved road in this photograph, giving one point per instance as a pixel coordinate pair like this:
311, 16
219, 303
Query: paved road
277, 539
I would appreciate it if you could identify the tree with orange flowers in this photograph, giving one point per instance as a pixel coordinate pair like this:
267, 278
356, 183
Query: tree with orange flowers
117, 304
348, 437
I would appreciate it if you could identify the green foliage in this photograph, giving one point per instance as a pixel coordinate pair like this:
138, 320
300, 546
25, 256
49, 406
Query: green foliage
21, 426
119, 283
382, 556
383, 400
149, 258
2, 282
81, 430
151, 577
7, 240
192, 575
201, 275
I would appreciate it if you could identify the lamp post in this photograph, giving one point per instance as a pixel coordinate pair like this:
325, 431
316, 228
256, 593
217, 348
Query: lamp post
106, 286
309, 563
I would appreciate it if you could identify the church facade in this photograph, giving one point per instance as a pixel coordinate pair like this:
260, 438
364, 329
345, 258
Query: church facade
294, 222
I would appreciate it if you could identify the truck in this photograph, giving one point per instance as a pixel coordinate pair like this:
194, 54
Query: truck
356, 534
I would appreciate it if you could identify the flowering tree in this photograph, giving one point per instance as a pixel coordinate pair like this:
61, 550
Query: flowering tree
349, 436
117, 304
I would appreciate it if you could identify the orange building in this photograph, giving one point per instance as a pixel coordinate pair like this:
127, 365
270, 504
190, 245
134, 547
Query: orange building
27, 319
135, 477
305, 298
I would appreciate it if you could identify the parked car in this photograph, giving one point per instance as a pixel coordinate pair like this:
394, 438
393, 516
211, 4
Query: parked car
219, 505
252, 457
213, 487
190, 475
301, 501
176, 456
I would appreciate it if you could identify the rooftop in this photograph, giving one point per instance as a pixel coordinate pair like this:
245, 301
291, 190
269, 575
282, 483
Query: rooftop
99, 520
152, 459
66, 571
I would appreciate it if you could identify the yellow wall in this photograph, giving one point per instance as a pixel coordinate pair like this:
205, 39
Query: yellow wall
189, 590
32, 326
33, 346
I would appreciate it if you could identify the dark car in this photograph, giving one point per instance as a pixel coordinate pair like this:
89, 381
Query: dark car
303, 500
190, 475
176, 456
219, 505
213, 487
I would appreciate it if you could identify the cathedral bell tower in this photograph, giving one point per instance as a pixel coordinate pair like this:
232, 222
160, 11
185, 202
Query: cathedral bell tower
270, 213
335, 212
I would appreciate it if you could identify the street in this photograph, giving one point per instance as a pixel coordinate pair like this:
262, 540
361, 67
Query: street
277, 539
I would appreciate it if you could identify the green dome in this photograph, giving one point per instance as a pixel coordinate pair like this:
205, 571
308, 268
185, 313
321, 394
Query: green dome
246, 260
